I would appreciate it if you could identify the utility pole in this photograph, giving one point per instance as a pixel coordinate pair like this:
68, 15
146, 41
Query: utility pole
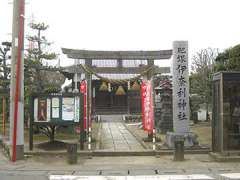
17, 83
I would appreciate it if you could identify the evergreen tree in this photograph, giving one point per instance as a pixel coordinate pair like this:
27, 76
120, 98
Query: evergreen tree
5, 65
229, 60
37, 78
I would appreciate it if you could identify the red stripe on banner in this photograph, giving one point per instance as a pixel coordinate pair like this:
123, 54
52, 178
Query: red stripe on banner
143, 93
147, 106
83, 89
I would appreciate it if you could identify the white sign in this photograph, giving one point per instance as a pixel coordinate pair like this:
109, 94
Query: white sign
48, 109
55, 107
180, 87
55, 112
55, 102
36, 109
77, 106
68, 109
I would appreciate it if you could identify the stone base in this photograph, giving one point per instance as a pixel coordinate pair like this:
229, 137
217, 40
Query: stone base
190, 139
1, 139
20, 152
220, 157
7, 149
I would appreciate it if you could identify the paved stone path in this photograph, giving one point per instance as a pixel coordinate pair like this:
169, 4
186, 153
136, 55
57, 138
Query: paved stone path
115, 136
114, 168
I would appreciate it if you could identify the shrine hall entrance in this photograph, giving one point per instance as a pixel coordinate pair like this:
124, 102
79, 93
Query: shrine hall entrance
107, 101
119, 111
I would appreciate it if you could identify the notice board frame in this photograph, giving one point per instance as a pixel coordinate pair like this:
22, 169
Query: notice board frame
55, 121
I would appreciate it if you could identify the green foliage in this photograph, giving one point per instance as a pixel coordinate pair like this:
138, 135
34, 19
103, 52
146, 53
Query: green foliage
36, 79
195, 102
5, 49
220, 67
229, 60
233, 62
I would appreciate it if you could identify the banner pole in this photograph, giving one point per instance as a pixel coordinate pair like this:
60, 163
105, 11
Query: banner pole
154, 139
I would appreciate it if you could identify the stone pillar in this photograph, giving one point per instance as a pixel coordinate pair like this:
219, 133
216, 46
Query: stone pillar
180, 87
181, 113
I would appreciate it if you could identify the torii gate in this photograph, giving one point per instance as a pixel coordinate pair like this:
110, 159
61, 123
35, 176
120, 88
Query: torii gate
90, 55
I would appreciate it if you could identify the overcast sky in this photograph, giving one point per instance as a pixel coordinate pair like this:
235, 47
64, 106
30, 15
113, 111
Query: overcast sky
131, 24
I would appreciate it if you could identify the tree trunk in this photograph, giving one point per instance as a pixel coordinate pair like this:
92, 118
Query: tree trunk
52, 133
207, 116
40, 87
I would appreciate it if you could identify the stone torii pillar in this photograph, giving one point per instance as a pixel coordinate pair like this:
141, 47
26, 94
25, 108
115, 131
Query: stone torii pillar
181, 114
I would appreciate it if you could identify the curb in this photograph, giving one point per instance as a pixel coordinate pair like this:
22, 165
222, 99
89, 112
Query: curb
221, 158
100, 153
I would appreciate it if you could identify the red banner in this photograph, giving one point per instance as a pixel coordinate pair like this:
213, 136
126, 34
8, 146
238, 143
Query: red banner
143, 96
147, 106
83, 89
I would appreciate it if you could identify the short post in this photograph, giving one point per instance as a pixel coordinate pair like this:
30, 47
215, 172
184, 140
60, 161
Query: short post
72, 153
89, 138
154, 139
179, 148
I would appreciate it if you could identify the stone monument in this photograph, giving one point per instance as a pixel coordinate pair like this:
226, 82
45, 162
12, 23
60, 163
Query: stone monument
180, 80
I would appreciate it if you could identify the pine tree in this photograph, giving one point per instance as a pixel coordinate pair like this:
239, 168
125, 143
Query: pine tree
39, 77
37, 71
5, 65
